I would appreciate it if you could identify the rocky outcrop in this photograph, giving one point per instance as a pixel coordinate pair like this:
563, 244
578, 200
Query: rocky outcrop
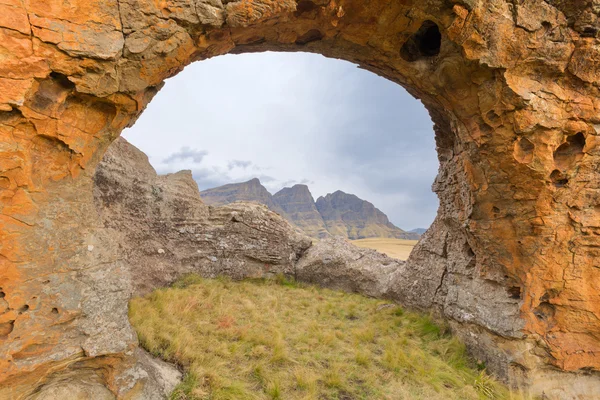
337, 264
252, 191
157, 229
348, 216
299, 207
512, 88
165, 230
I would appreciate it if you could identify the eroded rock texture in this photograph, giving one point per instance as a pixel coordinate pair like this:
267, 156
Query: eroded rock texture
512, 87
164, 230
337, 264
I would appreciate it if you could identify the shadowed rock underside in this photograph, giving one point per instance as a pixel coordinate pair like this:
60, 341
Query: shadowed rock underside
513, 90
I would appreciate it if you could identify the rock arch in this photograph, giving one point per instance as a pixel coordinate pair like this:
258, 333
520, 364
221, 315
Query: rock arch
513, 90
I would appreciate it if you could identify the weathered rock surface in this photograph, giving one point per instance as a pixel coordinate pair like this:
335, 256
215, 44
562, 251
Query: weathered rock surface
165, 230
348, 216
299, 207
512, 87
337, 264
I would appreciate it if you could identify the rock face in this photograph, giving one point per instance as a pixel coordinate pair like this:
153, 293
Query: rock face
512, 88
251, 191
348, 216
165, 230
337, 264
299, 208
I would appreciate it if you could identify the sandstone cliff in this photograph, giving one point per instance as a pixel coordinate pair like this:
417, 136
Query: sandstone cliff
299, 207
348, 216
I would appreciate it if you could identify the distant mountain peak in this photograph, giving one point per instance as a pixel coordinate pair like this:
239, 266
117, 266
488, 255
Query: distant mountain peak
337, 213
348, 215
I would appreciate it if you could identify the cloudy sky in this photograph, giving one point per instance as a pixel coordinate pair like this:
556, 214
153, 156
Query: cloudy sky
290, 118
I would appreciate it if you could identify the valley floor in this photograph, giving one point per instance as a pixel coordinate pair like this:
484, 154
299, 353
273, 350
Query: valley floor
395, 248
281, 340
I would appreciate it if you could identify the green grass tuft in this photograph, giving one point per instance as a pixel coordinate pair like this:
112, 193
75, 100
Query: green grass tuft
283, 340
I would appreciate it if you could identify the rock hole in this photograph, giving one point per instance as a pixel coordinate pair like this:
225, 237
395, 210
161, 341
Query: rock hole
589, 31
514, 292
470, 251
51, 91
569, 152
310, 36
558, 179
523, 152
23, 309
426, 42
304, 6
6, 328
62, 80
549, 294
55, 310
493, 119
2, 294
544, 311
495, 209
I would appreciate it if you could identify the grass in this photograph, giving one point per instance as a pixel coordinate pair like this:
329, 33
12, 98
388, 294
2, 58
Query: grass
280, 340
395, 248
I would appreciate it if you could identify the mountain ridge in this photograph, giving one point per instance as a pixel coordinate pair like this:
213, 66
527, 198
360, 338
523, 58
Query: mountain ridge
337, 213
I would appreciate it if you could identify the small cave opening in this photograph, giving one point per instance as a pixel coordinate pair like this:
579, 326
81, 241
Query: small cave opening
305, 6
544, 312
6, 328
425, 43
568, 153
558, 179
523, 151
514, 292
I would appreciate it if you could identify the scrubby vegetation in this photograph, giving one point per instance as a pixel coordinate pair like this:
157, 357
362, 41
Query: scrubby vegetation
279, 340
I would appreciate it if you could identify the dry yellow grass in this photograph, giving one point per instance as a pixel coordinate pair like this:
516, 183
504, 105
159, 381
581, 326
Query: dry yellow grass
395, 248
278, 340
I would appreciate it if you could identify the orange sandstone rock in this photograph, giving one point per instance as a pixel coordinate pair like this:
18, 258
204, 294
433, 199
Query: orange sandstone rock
512, 88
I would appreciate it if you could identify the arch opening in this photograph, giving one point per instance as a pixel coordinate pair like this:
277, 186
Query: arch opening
295, 120
504, 199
